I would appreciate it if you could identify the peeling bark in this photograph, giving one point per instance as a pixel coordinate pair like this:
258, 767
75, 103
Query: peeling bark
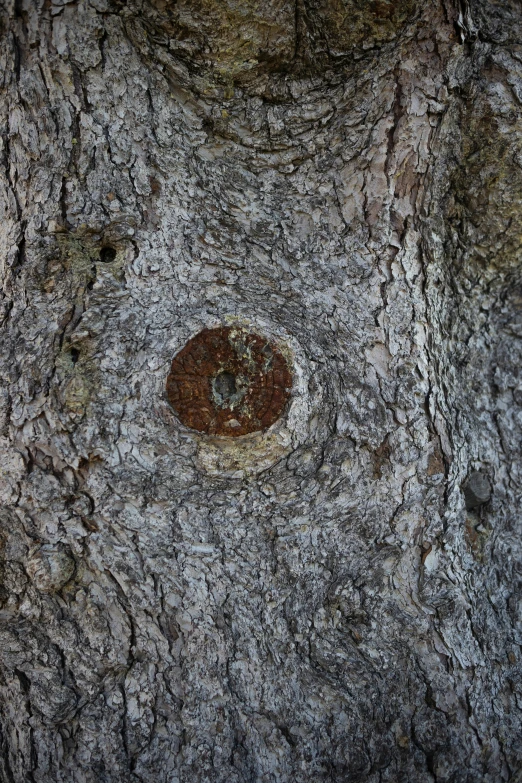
336, 597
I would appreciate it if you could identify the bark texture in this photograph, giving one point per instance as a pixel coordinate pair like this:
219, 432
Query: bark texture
337, 598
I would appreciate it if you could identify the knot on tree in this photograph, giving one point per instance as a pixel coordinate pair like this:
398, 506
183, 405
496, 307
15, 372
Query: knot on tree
233, 42
228, 381
477, 490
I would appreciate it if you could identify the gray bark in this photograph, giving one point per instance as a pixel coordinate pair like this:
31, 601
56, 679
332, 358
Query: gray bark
337, 598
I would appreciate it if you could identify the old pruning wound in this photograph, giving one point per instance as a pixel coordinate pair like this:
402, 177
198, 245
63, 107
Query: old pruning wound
228, 381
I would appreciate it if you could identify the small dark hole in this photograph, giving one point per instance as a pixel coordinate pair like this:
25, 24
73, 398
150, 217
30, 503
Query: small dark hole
107, 254
286, 734
75, 355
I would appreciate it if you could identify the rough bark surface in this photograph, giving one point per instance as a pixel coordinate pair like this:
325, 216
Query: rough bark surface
326, 600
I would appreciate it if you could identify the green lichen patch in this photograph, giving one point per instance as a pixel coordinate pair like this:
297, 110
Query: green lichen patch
485, 208
231, 42
343, 25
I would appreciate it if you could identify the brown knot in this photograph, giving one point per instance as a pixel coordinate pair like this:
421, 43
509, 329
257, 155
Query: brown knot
228, 381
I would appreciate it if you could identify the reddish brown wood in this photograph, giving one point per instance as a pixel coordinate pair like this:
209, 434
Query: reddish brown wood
228, 381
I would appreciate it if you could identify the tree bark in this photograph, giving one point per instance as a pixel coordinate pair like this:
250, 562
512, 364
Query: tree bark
336, 597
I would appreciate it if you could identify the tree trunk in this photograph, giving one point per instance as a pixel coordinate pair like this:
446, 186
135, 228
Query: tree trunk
331, 591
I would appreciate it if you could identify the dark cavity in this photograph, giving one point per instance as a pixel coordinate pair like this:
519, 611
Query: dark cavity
107, 254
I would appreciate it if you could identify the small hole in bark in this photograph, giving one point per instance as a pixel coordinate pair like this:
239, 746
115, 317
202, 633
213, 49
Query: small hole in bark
107, 254
75, 355
225, 387
287, 735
